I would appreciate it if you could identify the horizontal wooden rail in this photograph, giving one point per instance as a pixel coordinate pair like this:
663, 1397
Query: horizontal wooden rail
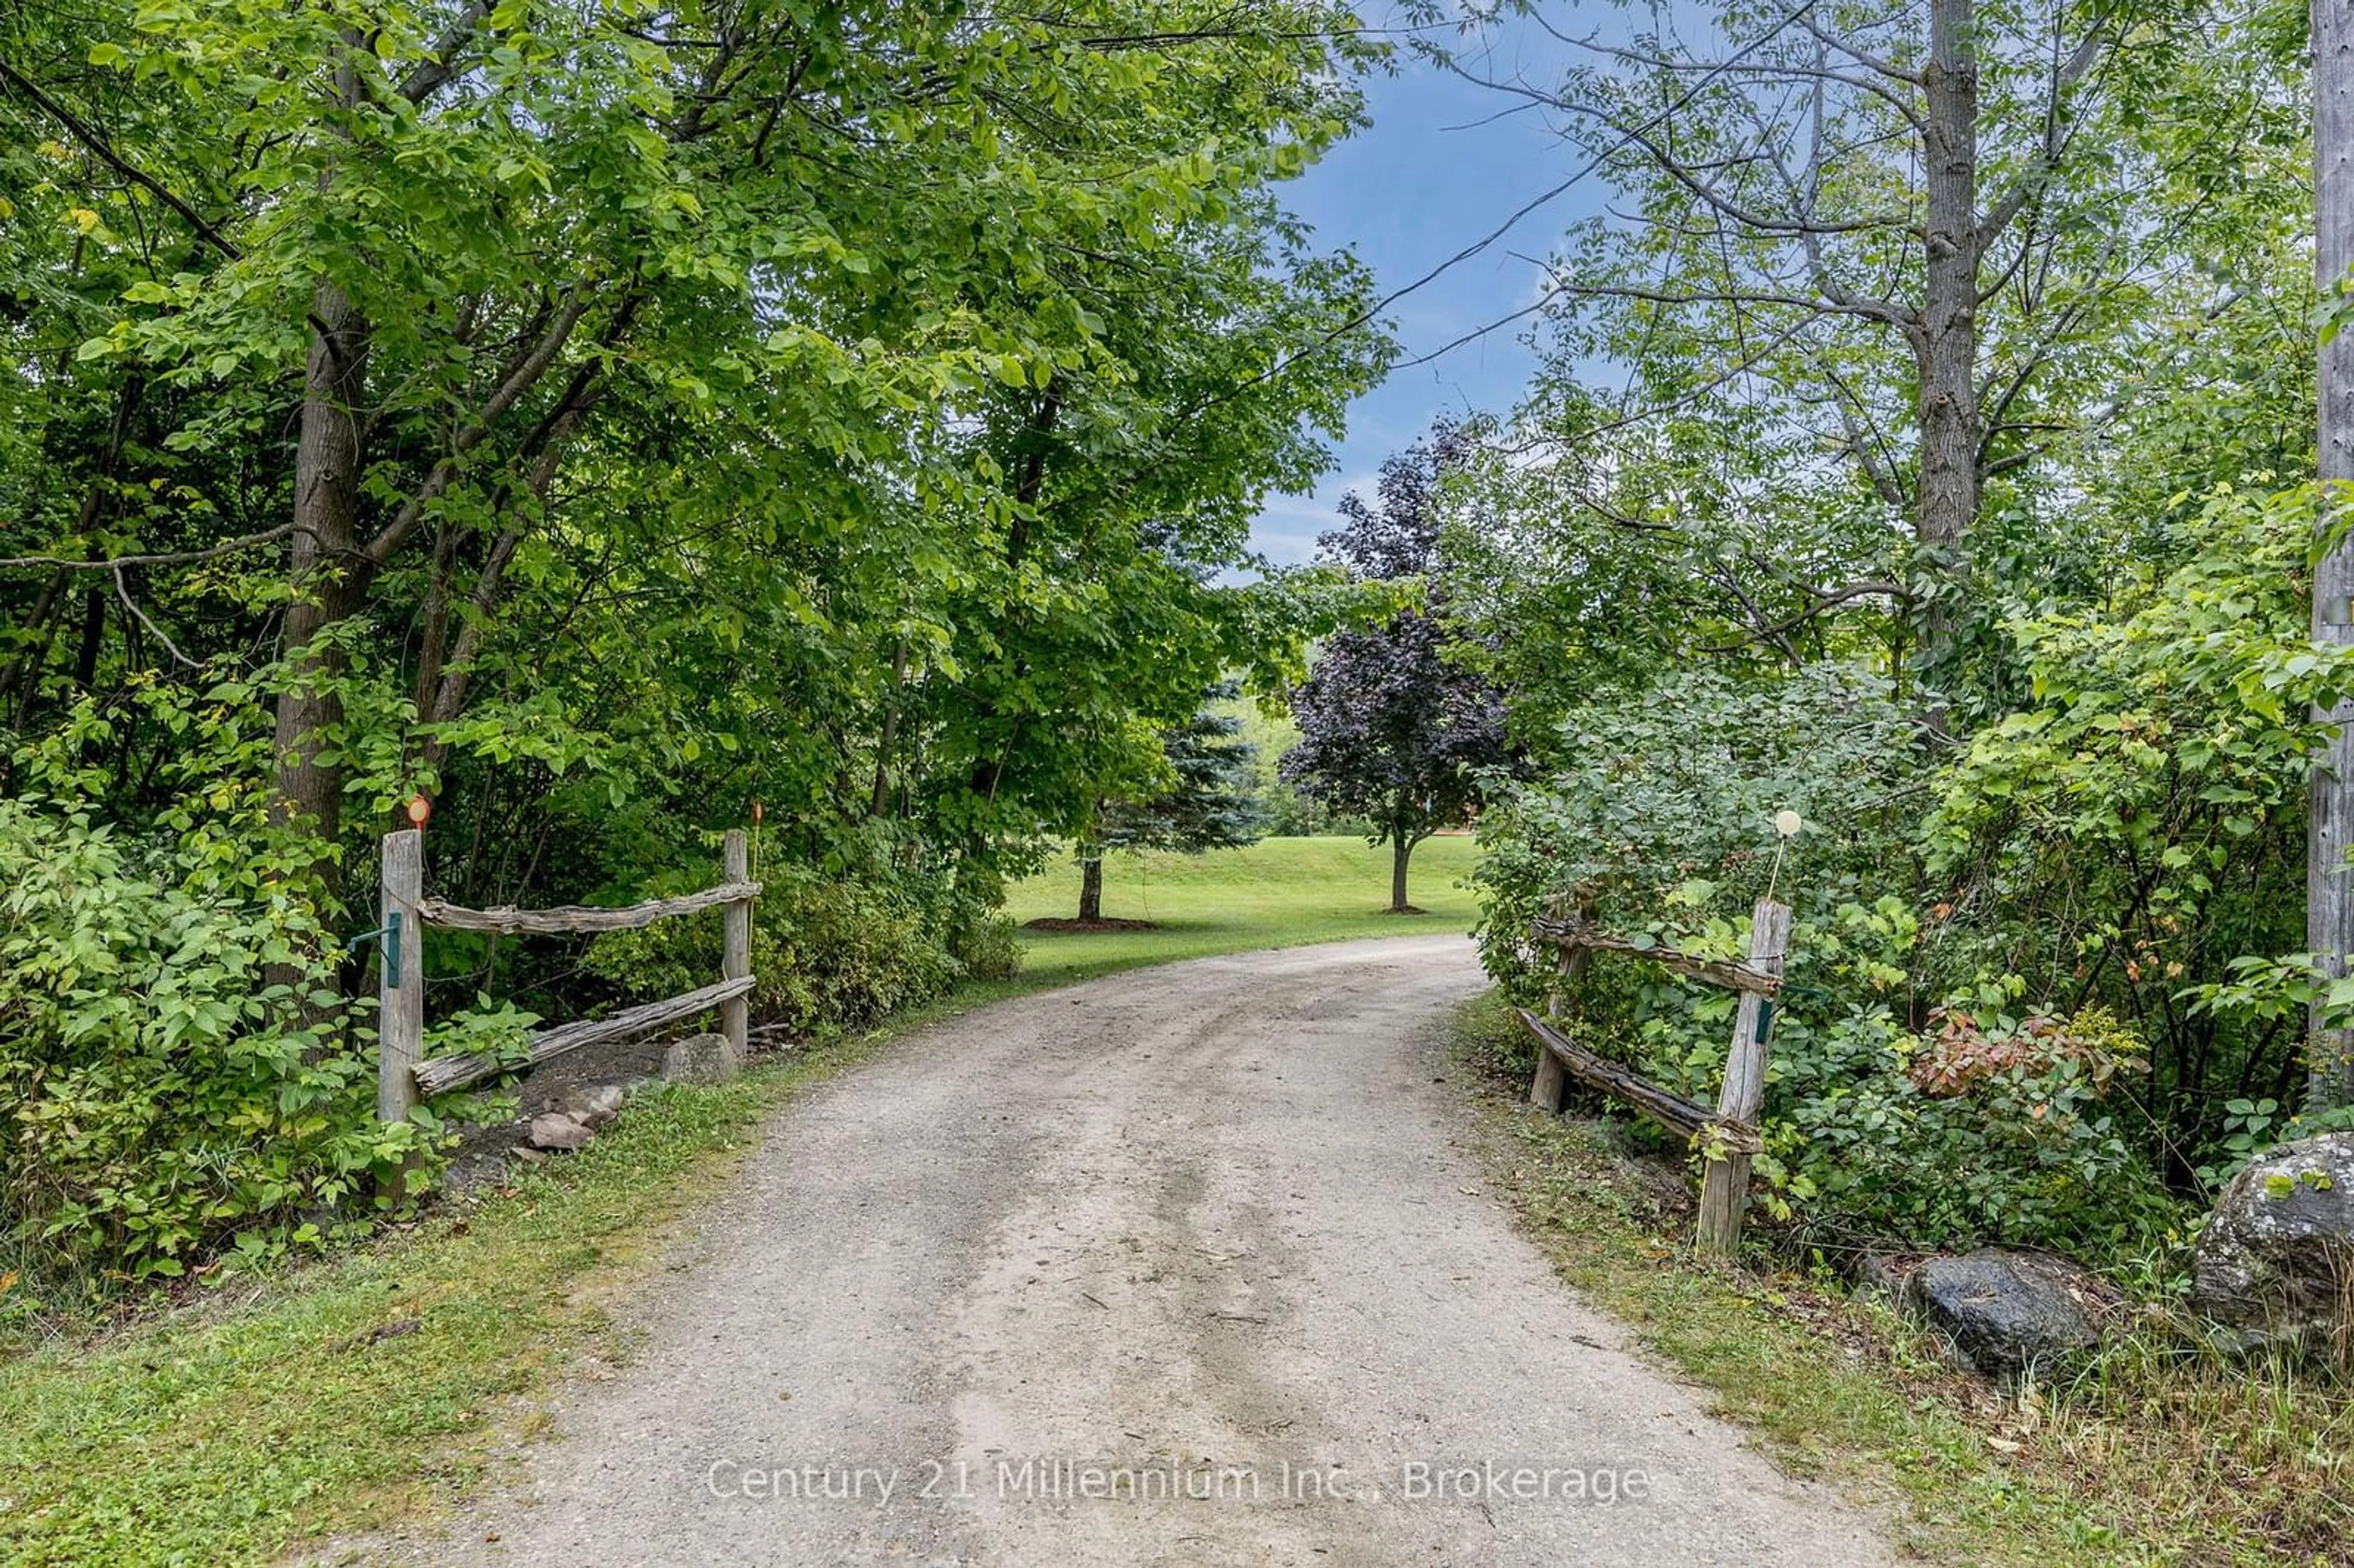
446, 1072
572, 918
1670, 1111
1732, 975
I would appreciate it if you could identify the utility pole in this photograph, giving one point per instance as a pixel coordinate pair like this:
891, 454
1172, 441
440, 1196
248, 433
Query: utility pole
2329, 830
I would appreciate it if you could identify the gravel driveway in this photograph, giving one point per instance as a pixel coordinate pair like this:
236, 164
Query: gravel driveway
1182, 1266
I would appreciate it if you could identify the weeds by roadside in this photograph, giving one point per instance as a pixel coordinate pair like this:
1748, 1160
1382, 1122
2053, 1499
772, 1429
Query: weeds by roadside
335, 1397
2154, 1451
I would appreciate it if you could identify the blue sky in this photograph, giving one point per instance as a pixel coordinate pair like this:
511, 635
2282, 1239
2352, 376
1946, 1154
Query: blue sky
1424, 180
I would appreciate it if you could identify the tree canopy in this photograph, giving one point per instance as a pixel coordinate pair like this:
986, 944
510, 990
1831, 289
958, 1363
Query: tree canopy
603, 419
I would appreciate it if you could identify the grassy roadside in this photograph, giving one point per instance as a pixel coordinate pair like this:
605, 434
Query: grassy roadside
2148, 1456
341, 1397
336, 1397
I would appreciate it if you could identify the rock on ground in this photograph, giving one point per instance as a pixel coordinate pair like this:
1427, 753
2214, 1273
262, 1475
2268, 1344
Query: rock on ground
593, 1104
2277, 1259
558, 1130
701, 1059
2009, 1312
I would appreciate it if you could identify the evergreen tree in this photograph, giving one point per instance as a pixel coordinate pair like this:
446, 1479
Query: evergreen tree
1208, 799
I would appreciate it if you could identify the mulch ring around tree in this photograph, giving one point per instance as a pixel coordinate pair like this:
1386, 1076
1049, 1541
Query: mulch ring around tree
1048, 924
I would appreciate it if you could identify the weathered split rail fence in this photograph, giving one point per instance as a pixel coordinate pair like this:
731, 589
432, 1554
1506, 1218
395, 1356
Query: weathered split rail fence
404, 1077
1728, 1132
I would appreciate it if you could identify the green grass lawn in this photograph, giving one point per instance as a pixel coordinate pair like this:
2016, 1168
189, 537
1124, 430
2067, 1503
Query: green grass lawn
1279, 893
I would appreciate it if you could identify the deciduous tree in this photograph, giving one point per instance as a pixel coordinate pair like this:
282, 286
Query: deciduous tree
1393, 729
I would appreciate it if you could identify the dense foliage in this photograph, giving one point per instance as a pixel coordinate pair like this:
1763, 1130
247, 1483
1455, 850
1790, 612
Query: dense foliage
611, 422
601, 420
2011, 611
165, 1087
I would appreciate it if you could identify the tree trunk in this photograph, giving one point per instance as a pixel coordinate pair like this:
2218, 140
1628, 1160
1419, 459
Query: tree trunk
1401, 850
2329, 825
889, 740
323, 559
1091, 889
1947, 346
95, 504
93, 633
36, 650
323, 556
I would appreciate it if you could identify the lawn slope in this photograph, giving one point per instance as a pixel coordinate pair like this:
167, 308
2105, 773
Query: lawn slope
1279, 893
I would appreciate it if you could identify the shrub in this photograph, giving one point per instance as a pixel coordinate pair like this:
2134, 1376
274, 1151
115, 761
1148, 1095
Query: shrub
1987, 1128
1671, 800
828, 952
2135, 834
989, 947
169, 1089
1890, 1138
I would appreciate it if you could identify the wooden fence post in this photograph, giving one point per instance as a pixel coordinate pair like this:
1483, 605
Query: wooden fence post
736, 959
1724, 1193
1549, 1091
401, 970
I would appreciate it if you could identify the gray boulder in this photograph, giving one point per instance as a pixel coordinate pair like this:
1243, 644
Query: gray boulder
2277, 1259
593, 1104
2009, 1312
559, 1131
701, 1059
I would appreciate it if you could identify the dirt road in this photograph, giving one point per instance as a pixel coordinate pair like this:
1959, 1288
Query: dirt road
1178, 1267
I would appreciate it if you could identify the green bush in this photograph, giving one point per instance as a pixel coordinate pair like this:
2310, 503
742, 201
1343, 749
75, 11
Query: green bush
168, 1090
1869, 1135
1876, 1131
1664, 809
2135, 834
989, 947
830, 952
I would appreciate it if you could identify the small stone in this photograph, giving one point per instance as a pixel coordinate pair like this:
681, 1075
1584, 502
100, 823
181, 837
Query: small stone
1880, 1275
593, 1105
701, 1059
558, 1130
2010, 1311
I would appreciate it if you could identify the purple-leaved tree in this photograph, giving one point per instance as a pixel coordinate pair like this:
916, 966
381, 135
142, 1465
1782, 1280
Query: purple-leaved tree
1390, 729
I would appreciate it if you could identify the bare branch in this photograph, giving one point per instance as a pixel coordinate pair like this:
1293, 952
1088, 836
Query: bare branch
1860, 56
2066, 74
441, 62
1823, 601
106, 154
1686, 176
176, 558
1871, 310
533, 366
122, 592
1863, 444
1765, 69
